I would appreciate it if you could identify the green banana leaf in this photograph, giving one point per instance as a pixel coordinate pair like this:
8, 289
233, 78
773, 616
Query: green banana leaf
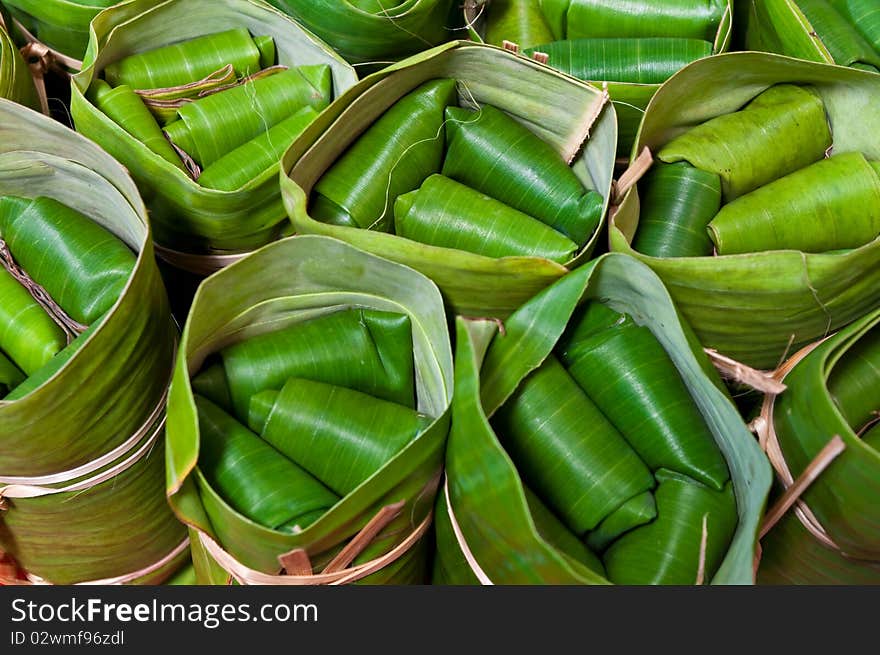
631, 47
16, 83
290, 285
374, 31
108, 385
187, 217
496, 536
756, 307
63, 25
805, 417
826, 31
557, 108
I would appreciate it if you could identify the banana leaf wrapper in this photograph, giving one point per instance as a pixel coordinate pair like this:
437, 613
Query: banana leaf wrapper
179, 64
10, 375
16, 83
536, 25
831, 391
63, 25
371, 31
756, 307
186, 217
555, 107
833, 204
301, 280
110, 383
815, 30
862, 14
486, 530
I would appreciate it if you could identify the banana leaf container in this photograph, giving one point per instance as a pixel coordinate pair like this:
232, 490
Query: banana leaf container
527, 23
569, 115
279, 286
61, 25
489, 530
81, 463
830, 536
16, 83
843, 32
196, 228
757, 307
369, 32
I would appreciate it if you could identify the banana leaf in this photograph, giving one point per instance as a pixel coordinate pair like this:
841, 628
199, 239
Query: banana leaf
186, 216
495, 537
305, 280
109, 386
816, 30
804, 419
557, 108
63, 25
374, 31
631, 47
756, 307
16, 83
10, 375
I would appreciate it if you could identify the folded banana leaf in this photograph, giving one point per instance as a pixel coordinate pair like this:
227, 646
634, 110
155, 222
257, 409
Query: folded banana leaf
832, 391
104, 389
843, 32
288, 308
554, 107
756, 307
186, 216
374, 31
10, 375
487, 529
833, 204
16, 82
63, 25
632, 47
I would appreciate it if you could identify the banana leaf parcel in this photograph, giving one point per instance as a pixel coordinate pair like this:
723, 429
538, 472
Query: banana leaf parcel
831, 535
793, 217
202, 67
16, 83
374, 31
485, 171
631, 47
87, 353
592, 442
62, 25
308, 417
843, 32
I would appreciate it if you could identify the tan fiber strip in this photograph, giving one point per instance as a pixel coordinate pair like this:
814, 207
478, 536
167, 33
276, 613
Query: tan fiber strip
198, 264
631, 176
821, 462
731, 369
462, 543
248, 576
54, 55
365, 537
296, 562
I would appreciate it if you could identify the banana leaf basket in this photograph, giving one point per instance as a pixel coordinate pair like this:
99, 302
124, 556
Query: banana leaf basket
16, 83
570, 116
370, 32
196, 228
757, 306
637, 48
81, 465
843, 32
374, 530
831, 404
490, 530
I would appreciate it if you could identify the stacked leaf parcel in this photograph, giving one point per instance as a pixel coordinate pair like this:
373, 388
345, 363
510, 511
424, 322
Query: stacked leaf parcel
372, 32
86, 350
843, 32
308, 417
610, 453
201, 111
16, 83
462, 178
763, 218
831, 536
633, 46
